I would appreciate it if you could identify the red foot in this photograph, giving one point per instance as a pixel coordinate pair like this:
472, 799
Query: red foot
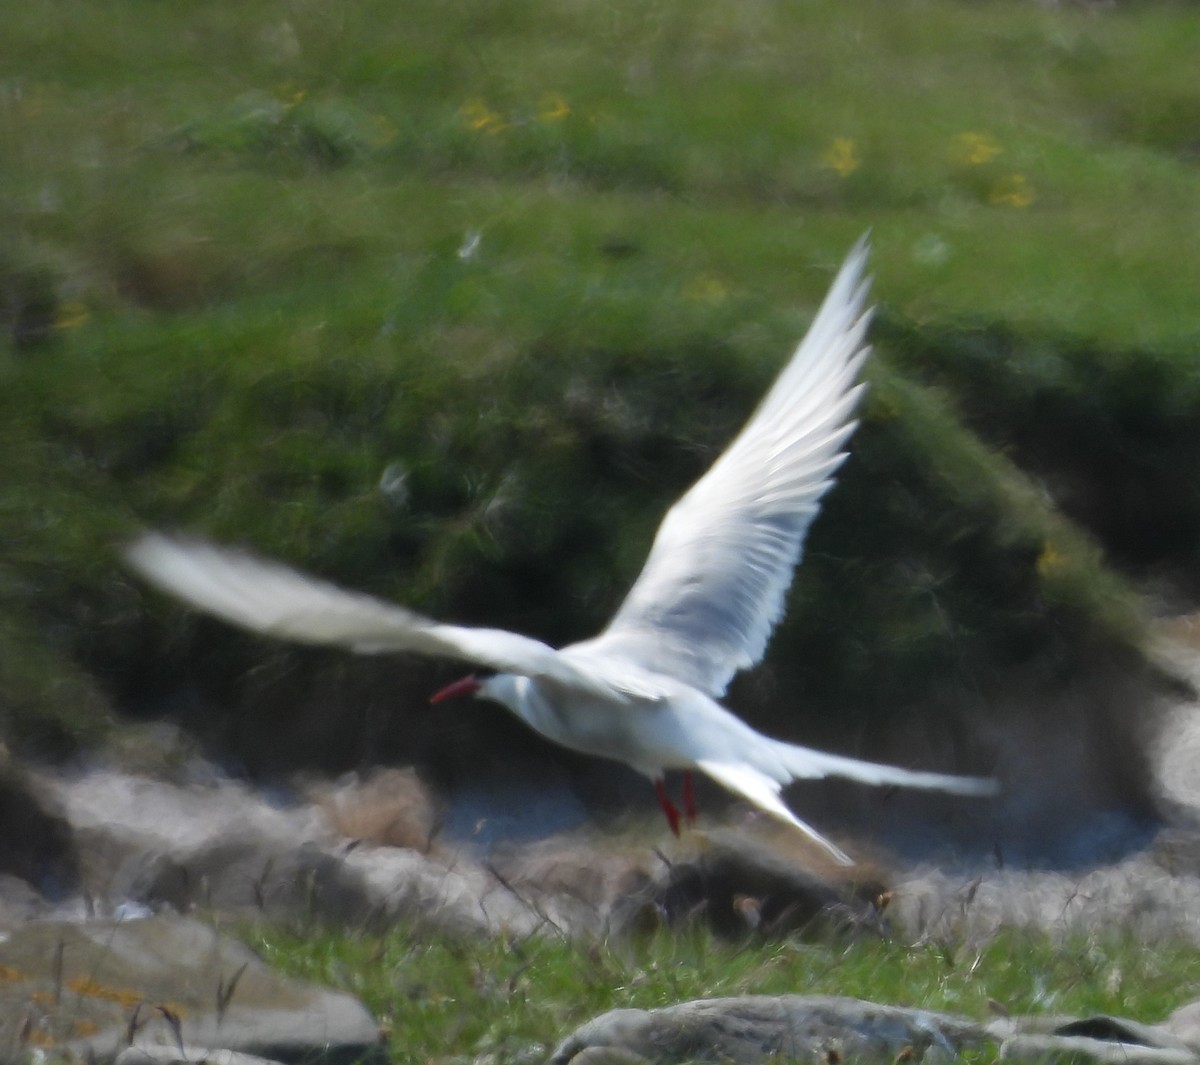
689, 798
668, 807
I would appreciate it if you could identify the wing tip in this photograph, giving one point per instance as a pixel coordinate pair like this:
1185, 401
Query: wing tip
149, 551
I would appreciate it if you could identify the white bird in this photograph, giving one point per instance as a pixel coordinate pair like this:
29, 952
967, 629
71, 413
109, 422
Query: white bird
643, 692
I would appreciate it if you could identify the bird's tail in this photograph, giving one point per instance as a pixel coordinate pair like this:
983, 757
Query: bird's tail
803, 763
763, 791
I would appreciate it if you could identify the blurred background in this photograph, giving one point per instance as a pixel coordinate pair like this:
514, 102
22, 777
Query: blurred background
450, 302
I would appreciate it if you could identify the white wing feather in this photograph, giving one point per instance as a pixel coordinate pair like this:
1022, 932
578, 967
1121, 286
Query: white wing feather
274, 600
713, 586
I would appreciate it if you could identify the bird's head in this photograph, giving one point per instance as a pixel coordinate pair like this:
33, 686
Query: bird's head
504, 688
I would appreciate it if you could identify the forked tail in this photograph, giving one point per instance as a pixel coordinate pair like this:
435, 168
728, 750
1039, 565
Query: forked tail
762, 787
763, 791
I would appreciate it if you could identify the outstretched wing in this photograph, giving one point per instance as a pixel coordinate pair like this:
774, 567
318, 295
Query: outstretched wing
274, 600
713, 587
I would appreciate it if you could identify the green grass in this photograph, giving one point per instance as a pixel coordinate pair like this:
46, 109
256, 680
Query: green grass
222, 146
234, 301
445, 1000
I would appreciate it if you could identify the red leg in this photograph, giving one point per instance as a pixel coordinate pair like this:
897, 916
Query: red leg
689, 798
668, 807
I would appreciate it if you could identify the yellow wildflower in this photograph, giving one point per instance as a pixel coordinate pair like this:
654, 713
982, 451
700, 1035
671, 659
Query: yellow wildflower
290, 95
71, 315
553, 108
841, 156
706, 289
1050, 561
975, 149
1011, 191
384, 132
479, 116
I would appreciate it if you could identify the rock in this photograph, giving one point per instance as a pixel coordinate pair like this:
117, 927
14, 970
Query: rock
123, 821
186, 1055
1184, 1025
580, 882
1047, 1048
1100, 1038
89, 989
19, 902
1135, 893
203, 843
457, 897
826, 1030
388, 806
608, 1056
739, 883
220, 846
36, 845
1113, 1030
756, 1028
250, 873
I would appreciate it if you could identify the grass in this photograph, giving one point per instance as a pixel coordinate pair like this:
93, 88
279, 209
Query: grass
448, 1001
284, 132
451, 305
451, 301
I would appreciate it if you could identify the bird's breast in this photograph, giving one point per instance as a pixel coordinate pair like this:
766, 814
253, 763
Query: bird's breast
639, 732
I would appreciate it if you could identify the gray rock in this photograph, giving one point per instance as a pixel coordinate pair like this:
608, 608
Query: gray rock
1049, 1048
93, 988
753, 1028
36, 847
756, 1029
1135, 893
186, 1055
207, 844
252, 873
219, 846
608, 1056
1101, 1027
740, 882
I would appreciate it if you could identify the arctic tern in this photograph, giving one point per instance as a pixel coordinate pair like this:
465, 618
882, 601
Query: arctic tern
644, 691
